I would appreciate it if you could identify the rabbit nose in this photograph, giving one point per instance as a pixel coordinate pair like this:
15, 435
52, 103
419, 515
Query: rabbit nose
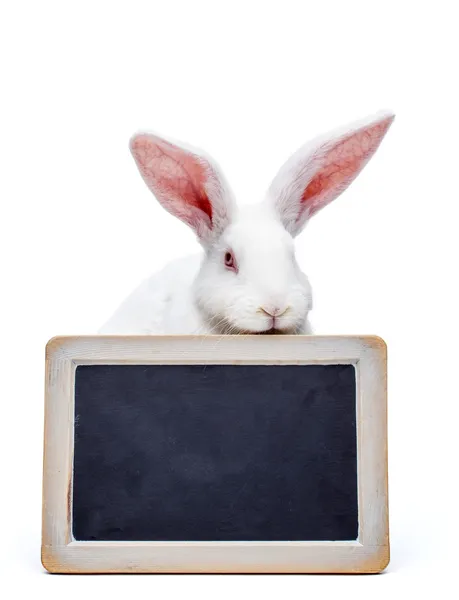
273, 311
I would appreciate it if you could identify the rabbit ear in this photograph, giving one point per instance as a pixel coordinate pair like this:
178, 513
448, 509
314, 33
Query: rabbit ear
319, 171
186, 183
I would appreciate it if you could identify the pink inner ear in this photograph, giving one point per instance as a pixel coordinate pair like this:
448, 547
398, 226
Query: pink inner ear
341, 164
176, 177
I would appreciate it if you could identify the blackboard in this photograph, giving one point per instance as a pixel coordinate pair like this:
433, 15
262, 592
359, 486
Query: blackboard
215, 453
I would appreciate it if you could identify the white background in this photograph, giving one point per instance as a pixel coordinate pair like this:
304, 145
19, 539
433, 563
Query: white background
249, 82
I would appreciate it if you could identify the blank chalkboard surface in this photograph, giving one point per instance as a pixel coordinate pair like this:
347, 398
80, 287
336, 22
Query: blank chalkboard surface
218, 452
210, 454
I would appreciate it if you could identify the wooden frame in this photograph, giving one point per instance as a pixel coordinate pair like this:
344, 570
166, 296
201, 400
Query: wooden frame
368, 554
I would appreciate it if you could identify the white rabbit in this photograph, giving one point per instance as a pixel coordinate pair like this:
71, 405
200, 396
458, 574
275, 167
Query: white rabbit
247, 279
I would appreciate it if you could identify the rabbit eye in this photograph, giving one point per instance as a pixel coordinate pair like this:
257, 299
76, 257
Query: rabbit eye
230, 263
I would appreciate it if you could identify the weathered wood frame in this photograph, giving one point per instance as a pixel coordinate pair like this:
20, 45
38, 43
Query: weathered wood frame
368, 554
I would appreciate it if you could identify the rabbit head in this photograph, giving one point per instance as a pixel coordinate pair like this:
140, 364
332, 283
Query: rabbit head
249, 281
